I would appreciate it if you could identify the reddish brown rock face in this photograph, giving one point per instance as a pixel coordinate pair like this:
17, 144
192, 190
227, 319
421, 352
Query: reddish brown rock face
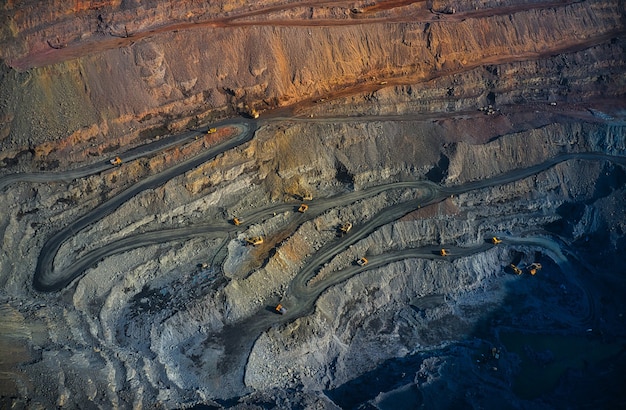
120, 66
398, 118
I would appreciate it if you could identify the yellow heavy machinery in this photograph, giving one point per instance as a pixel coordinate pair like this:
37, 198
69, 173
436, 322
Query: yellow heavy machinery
254, 113
280, 309
307, 196
211, 130
533, 268
495, 240
237, 221
255, 240
345, 228
116, 161
362, 262
303, 208
444, 252
517, 270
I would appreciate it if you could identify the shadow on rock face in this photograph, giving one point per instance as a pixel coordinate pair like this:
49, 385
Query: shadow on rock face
438, 173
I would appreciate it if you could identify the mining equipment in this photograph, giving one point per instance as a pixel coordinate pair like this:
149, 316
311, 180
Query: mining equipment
444, 252
237, 221
495, 240
533, 268
253, 113
345, 228
306, 197
280, 309
116, 161
303, 208
362, 262
255, 240
211, 130
516, 269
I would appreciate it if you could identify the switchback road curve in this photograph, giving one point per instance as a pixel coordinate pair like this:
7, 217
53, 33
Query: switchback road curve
238, 337
46, 279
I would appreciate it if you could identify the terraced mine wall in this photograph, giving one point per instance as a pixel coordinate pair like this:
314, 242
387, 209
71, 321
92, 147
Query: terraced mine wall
427, 125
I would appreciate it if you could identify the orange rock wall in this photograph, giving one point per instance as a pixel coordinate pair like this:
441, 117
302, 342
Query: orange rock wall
188, 75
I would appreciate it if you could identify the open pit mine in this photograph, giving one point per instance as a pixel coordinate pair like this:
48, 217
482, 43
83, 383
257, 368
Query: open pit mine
359, 204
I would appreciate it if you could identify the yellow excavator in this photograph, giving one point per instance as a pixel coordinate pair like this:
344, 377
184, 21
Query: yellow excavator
517, 270
495, 240
345, 228
303, 208
444, 252
116, 161
211, 130
362, 262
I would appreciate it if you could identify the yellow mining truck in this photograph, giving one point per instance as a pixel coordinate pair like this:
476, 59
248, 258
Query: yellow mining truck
255, 240
237, 221
533, 268
345, 228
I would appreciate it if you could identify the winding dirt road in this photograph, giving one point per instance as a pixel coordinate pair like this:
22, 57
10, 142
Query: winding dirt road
48, 280
239, 337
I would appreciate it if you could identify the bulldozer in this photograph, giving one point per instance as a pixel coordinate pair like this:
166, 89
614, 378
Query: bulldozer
307, 196
116, 161
303, 208
533, 268
362, 261
516, 270
495, 240
444, 252
254, 240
